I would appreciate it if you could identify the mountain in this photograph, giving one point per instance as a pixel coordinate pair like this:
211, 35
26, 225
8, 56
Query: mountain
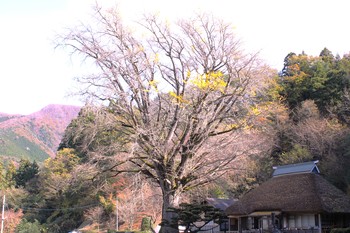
35, 136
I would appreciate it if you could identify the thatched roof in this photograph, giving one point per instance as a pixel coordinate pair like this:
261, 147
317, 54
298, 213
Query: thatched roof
307, 192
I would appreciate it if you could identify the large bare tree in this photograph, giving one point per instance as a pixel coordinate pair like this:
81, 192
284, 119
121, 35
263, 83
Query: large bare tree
177, 91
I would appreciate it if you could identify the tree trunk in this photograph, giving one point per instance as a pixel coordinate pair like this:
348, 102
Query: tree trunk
170, 199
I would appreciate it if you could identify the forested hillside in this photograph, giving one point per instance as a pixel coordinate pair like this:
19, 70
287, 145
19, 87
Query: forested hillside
35, 136
223, 120
313, 124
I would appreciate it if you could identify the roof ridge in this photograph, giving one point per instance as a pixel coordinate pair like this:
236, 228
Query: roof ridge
304, 167
296, 164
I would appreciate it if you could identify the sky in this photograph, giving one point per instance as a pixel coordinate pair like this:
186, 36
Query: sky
34, 74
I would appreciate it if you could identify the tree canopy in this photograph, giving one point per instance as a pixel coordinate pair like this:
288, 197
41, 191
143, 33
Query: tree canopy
324, 79
173, 92
195, 217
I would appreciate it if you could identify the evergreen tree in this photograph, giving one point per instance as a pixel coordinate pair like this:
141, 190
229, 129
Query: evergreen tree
25, 172
2, 176
10, 175
323, 79
195, 216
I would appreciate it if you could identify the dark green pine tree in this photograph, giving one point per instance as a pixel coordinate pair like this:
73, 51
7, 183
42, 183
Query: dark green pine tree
195, 216
25, 172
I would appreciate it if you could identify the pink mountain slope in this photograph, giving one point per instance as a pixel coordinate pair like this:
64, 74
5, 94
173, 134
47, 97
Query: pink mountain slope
44, 128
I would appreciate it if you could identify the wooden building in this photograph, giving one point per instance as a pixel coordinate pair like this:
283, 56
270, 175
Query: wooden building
297, 199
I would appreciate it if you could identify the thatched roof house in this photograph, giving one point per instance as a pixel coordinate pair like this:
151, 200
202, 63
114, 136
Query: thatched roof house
308, 192
297, 196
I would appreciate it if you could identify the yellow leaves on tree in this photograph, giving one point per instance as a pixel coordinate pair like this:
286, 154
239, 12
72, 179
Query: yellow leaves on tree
178, 98
156, 58
63, 163
255, 110
107, 203
213, 81
153, 85
241, 124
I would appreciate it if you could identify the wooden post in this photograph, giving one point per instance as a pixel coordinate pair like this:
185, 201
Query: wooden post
240, 224
3, 214
319, 223
116, 212
229, 224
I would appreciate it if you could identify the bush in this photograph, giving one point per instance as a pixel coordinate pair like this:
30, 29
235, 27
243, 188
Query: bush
111, 231
29, 227
115, 231
146, 224
340, 230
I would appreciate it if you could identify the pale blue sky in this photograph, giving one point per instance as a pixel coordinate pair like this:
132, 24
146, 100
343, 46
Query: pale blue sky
33, 74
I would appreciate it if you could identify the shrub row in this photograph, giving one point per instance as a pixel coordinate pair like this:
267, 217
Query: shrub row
340, 230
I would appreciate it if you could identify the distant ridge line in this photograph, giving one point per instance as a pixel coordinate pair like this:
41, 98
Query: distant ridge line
4, 113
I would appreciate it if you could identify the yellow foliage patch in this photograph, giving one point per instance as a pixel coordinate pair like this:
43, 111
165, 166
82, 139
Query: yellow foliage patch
156, 58
153, 84
213, 81
255, 111
178, 98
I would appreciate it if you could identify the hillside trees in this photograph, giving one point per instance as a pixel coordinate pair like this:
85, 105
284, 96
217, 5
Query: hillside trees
315, 127
62, 192
26, 171
10, 174
2, 176
177, 95
325, 79
307, 119
94, 134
